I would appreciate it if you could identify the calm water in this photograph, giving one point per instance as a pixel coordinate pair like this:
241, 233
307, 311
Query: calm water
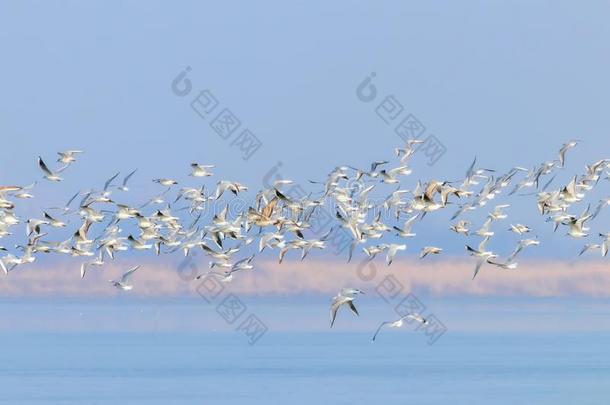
158, 351
303, 368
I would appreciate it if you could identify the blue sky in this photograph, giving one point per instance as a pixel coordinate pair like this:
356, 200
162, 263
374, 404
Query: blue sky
507, 82
515, 77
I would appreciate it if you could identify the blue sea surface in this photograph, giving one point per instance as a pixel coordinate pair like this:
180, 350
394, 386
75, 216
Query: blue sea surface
303, 368
127, 350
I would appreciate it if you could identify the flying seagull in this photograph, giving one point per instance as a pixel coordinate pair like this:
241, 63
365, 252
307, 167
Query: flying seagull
123, 284
48, 174
345, 297
400, 322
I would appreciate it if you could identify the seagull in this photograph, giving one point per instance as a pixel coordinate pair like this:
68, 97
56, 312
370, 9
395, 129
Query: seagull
507, 265
562, 152
232, 186
570, 192
97, 262
373, 251
484, 231
345, 297
123, 283
68, 157
405, 232
602, 204
577, 226
53, 222
158, 199
198, 170
243, 264
462, 227
375, 165
482, 254
23, 193
480, 251
589, 246
123, 187
392, 250
49, 175
408, 151
521, 245
426, 250
108, 182
497, 212
519, 229
400, 322
389, 176
165, 182
270, 240
137, 244
66, 208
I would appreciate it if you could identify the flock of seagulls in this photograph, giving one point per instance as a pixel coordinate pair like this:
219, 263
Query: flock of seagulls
173, 219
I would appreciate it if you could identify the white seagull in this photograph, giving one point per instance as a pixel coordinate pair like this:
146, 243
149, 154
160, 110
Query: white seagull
345, 297
68, 157
48, 174
123, 284
400, 322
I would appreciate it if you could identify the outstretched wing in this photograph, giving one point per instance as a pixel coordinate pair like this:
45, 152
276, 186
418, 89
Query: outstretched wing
352, 307
333, 312
126, 179
110, 180
44, 167
478, 267
381, 325
128, 273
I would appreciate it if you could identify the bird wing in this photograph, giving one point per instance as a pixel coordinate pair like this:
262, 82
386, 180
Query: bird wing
48, 217
365, 193
483, 244
584, 249
61, 169
72, 199
548, 183
381, 325
268, 210
471, 168
82, 231
110, 180
44, 167
409, 223
351, 250
334, 307
242, 261
128, 273
415, 317
126, 179
221, 188
351, 305
478, 267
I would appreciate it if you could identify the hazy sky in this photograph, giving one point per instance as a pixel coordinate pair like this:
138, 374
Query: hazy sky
506, 81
